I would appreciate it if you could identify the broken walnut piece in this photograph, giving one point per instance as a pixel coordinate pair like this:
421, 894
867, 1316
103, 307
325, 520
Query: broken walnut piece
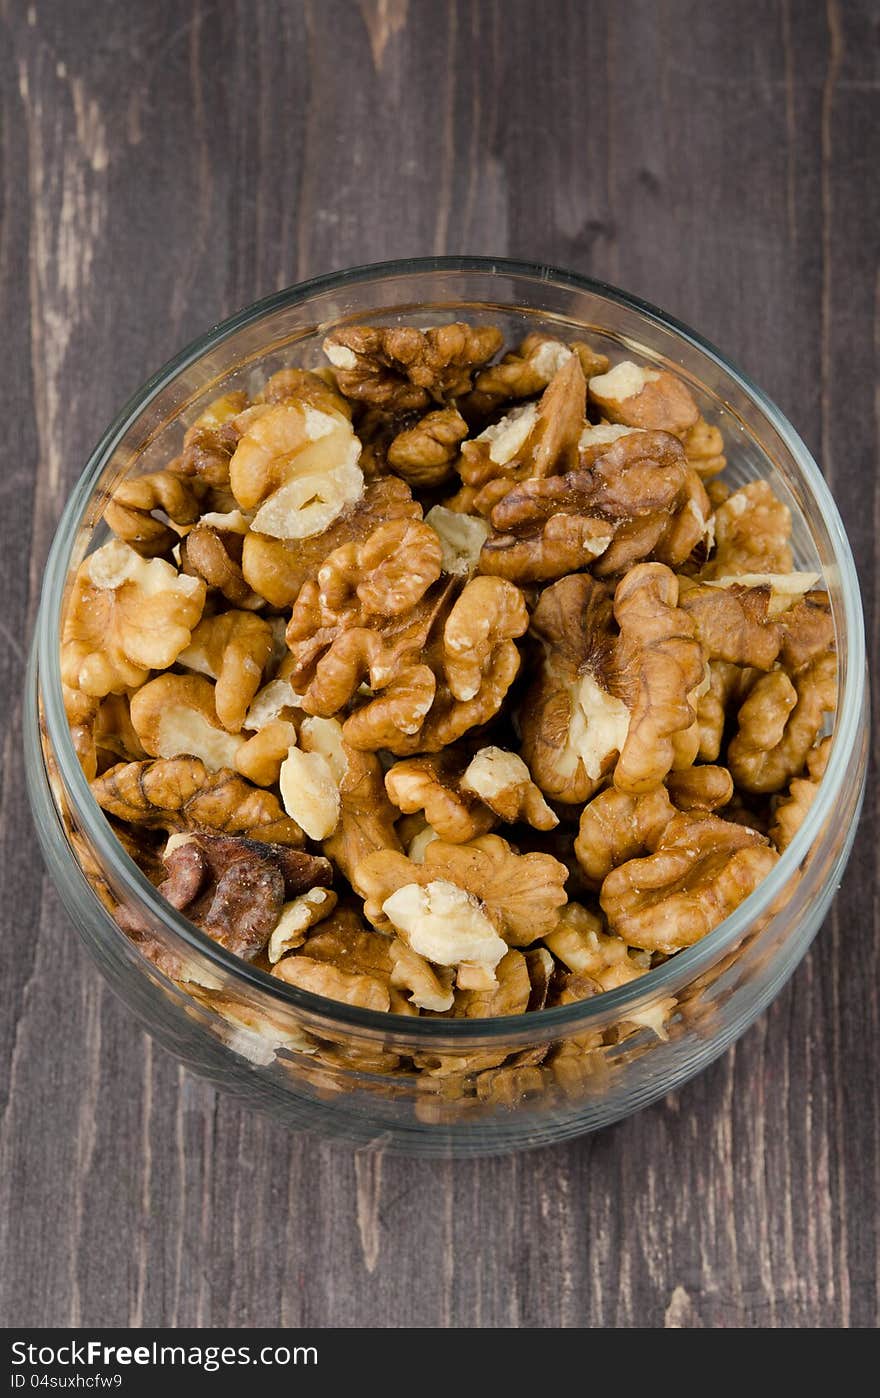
662, 665
402, 369
521, 893
306, 388
277, 569
262, 754
534, 440
180, 793
574, 721
728, 686
733, 623
752, 534
424, 454
298, 916
214, 555
581, 942
502, 781
791, 809
616, 826
232, 648
432, 784
209, 443
704, 446
526, 372
702, 788
641, 397
127, 615
509, 995
130, 511
479, 636
342, 960
366, 816
702, 869
176, 716
429, 987
779, 723
461, 538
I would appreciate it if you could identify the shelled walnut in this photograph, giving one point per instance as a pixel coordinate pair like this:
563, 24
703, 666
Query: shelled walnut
443, 683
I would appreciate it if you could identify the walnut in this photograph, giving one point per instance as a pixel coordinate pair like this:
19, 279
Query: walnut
133, 508
502, 781
126, 616
534, 440
791, 809
385, 575
297, 466
541, 968
461, 538
663, 666
733, 622
616, 827
752, 532
176, 716
423, 454
344, 961
305, 388
232, 648
728, 684
579, 940
261, 757
573, 721
181, 794
400, 369
635, 499
702, 869
478, 638
704, 445
779, 723
444, 924
807, 631
405, 688
234, 889
310, 792
705, 788
639, 397
296, 919
429, 989
211, 440
278, 568
214, 555
433, 785
508, 996
322, 978
521, 893
527, 371
366, 816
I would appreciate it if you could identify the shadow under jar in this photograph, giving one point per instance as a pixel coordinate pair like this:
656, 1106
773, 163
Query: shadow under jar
420, 1085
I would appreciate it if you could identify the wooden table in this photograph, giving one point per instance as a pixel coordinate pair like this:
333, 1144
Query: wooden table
163, 164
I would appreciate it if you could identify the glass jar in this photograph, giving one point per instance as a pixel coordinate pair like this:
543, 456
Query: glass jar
420, 1085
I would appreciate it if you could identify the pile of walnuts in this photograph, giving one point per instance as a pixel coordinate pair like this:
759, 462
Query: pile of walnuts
447, 684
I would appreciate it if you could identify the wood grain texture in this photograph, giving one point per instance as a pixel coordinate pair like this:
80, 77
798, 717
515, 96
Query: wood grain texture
163, 164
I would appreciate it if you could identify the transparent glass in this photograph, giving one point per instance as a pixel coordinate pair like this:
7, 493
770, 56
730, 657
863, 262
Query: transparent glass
465, 1087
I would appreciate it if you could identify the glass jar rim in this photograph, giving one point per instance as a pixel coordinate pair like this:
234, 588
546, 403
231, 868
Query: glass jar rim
679, 969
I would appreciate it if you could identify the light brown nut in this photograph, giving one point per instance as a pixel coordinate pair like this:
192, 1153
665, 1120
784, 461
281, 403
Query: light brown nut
704, 445
581, 943
298, 916
703, 868
423, 454
791, 809
322, 978
525, 372
297, 467
385, 575
261, 756
344, 940
752, 533
404, 689
433, 785
429, 989
214, 556
310, 792
541, 968
126, 616
704, 788
478, 638
175, 716
521, 894
509, 996
574, 721
400, 369
535, 439
445, 924
807, 631
616, 826
640, 397
304, 387
461, 538
278, 568
181, 794
211, 440
133, 508
502, 781
728, 687
366, 816
232, 648
733, 623
662, 665
779, 723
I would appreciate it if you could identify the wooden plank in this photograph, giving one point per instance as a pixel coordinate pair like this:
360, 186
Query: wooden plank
164, 164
